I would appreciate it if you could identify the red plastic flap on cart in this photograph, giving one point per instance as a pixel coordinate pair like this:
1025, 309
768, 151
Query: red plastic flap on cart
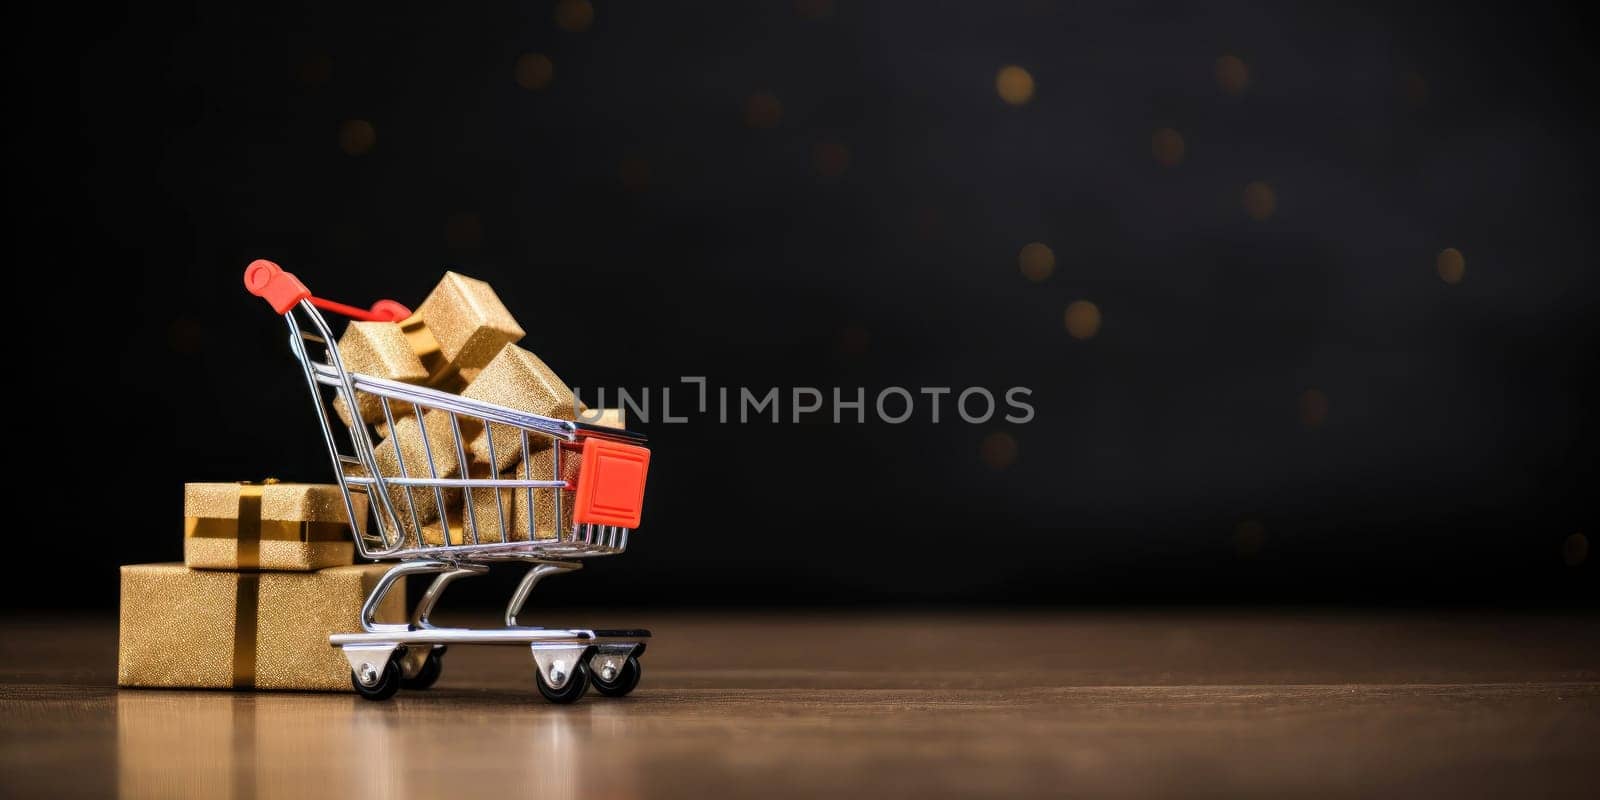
611, 484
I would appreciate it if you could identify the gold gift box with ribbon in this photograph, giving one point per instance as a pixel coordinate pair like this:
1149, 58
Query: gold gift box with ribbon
459, 329
205, 629
269, 525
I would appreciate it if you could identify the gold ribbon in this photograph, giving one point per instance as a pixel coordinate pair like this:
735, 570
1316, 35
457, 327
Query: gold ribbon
246, 608
271, 530
248, 529
247, 592
441, 373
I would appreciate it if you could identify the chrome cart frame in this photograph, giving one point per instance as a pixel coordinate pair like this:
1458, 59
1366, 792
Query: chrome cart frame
384, 656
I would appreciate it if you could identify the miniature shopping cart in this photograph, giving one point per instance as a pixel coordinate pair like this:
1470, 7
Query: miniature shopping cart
606, 497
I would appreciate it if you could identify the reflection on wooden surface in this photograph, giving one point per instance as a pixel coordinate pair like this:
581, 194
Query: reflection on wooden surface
1097, 704
242, 746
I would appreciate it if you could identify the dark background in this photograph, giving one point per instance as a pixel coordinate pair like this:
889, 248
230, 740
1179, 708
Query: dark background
1278, 407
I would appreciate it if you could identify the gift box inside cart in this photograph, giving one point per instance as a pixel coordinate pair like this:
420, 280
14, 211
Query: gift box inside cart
405, 451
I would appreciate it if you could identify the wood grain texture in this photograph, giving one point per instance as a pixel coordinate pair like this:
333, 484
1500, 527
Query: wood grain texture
1197, 704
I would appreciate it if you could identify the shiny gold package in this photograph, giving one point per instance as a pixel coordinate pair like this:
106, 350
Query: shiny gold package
406, 446
275, 526
379, 349
459, 328
517, 379
487, 504
202, 629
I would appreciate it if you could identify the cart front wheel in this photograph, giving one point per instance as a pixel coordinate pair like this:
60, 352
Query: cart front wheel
577, 683
623, 682
377, 687
428, 675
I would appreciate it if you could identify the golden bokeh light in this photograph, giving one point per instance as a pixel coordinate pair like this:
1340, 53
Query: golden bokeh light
634, 173
999, 450
1249, 536
1260, 201
1451, 265
574, 15
1168, 147
1233, 76
1575, 550
357, 136
463, 230
1037, 261
1082, 319
814, 9
534, 71
831, 159
1014, 85
1313, 408
762, 110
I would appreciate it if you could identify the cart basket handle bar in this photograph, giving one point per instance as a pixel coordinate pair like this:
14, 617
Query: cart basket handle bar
282, 290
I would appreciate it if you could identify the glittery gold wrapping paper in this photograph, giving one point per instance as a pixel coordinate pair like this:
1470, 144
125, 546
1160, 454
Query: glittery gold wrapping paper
458, 329
407, 445
276, 526
608, 417
382, 350
517, 379
183, 628
541, 467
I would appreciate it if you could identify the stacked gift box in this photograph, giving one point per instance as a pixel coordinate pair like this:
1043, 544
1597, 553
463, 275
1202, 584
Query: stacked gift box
269, 568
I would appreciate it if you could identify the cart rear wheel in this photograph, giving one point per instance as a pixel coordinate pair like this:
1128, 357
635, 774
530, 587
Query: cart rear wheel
428, 675
378, 687
577, 683
623, 682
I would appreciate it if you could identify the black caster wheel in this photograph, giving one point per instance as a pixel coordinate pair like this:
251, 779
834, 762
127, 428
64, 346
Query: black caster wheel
377, 688
571, 691
624, 681
426, 677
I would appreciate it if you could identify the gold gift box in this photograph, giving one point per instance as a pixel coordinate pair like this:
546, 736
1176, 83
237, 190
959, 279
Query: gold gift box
517, 379
487, 504
183, 628
379, 349
459, 328
275, 526
406, 446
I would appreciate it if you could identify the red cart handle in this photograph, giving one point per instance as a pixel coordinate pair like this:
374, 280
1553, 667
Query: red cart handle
283, 291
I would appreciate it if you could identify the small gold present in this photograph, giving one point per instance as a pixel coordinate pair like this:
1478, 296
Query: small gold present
272, 525
205, 629
519, 380
407, 447
379, 349
489, 507
541, 467
461, 326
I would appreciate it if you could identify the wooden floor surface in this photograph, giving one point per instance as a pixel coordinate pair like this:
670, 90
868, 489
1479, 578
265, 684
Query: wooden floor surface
1202, 704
